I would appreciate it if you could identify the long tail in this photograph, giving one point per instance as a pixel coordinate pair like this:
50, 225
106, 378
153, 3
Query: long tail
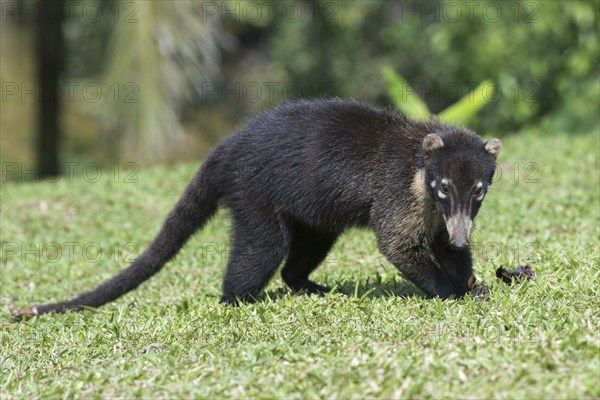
195, 207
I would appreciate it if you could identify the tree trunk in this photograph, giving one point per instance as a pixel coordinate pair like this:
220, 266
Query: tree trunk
50, 56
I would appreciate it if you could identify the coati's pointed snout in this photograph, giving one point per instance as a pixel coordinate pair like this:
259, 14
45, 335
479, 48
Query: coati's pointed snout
459, 230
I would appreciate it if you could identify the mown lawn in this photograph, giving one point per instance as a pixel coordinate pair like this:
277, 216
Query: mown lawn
376, 337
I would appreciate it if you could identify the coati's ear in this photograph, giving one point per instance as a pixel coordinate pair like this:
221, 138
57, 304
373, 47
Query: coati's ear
493, 146
432, 142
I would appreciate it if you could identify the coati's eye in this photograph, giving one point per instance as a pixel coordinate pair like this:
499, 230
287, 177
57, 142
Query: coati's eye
444, 188
479, 193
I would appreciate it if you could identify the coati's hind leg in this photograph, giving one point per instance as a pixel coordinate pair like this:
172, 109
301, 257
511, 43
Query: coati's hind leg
308, 249
260, 243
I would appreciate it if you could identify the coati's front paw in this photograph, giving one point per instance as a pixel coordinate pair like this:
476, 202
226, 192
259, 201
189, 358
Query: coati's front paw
461, 280
446, 289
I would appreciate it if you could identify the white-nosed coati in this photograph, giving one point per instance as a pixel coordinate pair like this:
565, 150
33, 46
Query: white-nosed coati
297, 176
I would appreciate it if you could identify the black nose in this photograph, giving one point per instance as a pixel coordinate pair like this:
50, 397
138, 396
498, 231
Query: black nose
459, 243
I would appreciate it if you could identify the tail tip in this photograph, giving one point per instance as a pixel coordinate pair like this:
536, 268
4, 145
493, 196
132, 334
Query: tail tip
22, 314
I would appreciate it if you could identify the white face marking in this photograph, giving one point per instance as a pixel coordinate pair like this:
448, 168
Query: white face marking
451, 223
433, 183
445, 181
479, 184
455, 220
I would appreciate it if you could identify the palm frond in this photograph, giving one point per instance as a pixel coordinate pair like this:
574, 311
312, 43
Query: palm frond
156, 62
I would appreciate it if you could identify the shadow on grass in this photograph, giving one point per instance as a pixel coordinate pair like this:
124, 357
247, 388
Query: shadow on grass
365, 289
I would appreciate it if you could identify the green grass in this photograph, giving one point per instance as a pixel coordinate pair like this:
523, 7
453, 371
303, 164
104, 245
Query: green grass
376, 337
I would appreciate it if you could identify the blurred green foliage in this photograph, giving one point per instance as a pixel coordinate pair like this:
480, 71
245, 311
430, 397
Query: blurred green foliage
465, 110
542, 55
461, 112
193, 66
403, 95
